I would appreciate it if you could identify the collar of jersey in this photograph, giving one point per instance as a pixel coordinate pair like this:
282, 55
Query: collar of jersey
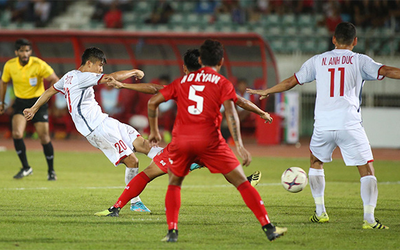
27, 65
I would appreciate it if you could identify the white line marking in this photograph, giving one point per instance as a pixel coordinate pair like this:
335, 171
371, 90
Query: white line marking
184, 186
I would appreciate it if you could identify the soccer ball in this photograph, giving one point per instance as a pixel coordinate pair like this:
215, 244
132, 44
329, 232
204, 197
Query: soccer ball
294, 179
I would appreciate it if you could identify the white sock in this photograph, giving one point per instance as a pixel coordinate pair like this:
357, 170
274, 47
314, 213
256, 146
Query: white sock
130, 173
369, 196
154, 151
317, 184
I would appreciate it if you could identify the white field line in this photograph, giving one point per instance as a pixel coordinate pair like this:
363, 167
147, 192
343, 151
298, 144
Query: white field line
184, 186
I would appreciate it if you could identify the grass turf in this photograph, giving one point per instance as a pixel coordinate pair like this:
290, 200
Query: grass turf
38, 214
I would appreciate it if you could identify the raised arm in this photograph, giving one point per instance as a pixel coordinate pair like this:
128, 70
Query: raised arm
390, 72
234, 127
147, 88
249, 106
280, 87
152, 113
124, 74
29, 113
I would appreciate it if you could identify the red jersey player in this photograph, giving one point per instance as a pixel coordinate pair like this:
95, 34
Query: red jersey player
196, 136
159, 165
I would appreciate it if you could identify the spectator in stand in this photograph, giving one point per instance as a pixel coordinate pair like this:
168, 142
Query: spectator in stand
394, 10
362, 14
101, 7
379, 10
305, 6
113, 17
161, 13
205, 6
331, 20
21, 11
238, 13
42, 10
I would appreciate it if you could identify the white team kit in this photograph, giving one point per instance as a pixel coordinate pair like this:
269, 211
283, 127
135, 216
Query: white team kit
112, 137
340, 76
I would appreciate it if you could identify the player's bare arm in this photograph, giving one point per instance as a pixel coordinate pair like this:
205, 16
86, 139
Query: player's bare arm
152, 113
53, 78
234, 127
29, 113
390, 72
285, 85
3, 89
250, 106
147, 88
125, 74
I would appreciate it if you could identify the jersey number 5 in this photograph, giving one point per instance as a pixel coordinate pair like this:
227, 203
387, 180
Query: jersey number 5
198, 108
341, 87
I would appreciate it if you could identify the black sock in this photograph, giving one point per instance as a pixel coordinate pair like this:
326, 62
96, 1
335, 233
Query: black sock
268, 226
49, 153
21, 152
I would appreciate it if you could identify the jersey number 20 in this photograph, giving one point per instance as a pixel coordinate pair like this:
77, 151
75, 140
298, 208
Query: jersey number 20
198, 108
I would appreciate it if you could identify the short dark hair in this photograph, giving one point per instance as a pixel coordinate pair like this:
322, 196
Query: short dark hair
22, 42
211, 52
191, 59
93, 54
345, 33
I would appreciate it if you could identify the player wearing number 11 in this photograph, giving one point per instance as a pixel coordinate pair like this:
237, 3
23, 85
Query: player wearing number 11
340, 76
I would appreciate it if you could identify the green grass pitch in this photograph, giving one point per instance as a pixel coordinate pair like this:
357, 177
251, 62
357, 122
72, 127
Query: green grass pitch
37, 214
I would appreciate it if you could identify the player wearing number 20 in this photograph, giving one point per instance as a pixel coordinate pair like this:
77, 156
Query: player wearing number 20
340, 76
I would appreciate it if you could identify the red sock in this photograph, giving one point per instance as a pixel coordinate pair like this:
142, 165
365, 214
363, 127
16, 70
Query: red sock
172, 205
133, 189
253, 200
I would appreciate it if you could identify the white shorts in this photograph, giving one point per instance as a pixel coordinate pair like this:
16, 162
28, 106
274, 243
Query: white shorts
114, 138
353, 144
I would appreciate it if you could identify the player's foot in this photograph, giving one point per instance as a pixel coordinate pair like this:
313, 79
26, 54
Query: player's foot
139, 207
195, 166
274, 232
376, 225
111, 212
254, 178
23, 172
172, 236
51, 176
319, 219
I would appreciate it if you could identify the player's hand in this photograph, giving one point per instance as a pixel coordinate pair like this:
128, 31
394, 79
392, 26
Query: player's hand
263, 93
154, 138
29, 114
138, 74
245, 155
266, 117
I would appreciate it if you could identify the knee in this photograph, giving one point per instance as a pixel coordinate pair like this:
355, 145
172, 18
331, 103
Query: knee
17, 134
131, 161
44, 139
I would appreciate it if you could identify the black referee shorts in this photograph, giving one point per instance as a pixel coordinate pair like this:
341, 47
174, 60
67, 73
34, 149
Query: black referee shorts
21, 104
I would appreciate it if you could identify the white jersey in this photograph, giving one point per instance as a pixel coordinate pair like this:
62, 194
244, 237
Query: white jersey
77, 88
340, 76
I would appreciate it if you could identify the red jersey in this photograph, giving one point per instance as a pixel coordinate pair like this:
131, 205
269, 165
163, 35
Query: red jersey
196, 136
199, 96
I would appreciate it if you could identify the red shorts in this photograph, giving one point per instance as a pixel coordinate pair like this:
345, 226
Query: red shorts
162, 159
213, 153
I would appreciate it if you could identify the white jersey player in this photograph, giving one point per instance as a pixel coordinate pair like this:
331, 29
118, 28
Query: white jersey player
340, 76
118, 141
